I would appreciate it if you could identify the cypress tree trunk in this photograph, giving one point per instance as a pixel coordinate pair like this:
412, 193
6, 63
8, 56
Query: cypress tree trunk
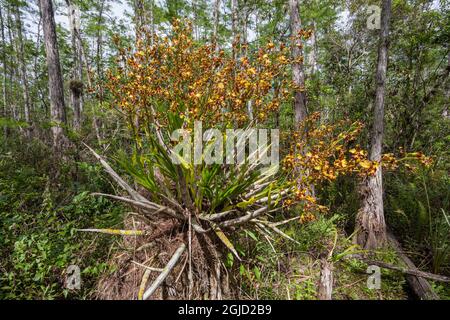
55, 80
152, 22
313, 54
139, 17
76, 84
370, 223
4, 77
300, 110
216, 12
298, 74
15, 114
23, 71
234, 22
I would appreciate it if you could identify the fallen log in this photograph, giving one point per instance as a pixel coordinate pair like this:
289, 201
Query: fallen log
418, 284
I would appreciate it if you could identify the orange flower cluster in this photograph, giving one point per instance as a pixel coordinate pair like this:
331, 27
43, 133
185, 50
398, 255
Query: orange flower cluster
411, 161
324, 152
307, 217
175, 75
298, 39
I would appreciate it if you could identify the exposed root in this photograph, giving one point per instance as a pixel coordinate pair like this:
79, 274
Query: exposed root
210, 281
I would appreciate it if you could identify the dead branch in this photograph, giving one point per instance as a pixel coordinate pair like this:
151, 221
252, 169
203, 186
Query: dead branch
150, 207
216, 216
163, 275
133, 193
246, 218
419, 285
278, 231
147, 267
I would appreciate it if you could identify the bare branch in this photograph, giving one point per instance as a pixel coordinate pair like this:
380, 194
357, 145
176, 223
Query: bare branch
133, 193
216, 216
163, 275
147, 267
151, 207
247, 217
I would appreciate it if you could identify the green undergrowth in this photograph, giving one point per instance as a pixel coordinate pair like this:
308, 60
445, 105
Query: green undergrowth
38, 218
281, 269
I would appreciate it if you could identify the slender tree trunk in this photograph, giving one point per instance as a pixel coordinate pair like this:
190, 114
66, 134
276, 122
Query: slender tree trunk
55, 80
445, 112
300, 110
152, 22
23, 71
95, 120
100, 44
216, 24
298, 75
313, 53
195, 20
13, 70
4, 77
244, 40
139, 17
370, 223
234, 26
76, 84
244, 32
37, 48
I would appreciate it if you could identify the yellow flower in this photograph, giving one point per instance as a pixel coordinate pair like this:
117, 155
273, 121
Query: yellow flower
252, 71
366, 164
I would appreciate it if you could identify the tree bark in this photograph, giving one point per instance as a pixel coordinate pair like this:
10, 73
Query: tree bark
300, 110
37, 47
76, 83
96, 123
152, 22
13, 69
99, 56
370, 223
4, 77
23, 71
216, 24
298, 75
313, 53
325, 287
55, 80
234, 22
195, 20
139, 17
